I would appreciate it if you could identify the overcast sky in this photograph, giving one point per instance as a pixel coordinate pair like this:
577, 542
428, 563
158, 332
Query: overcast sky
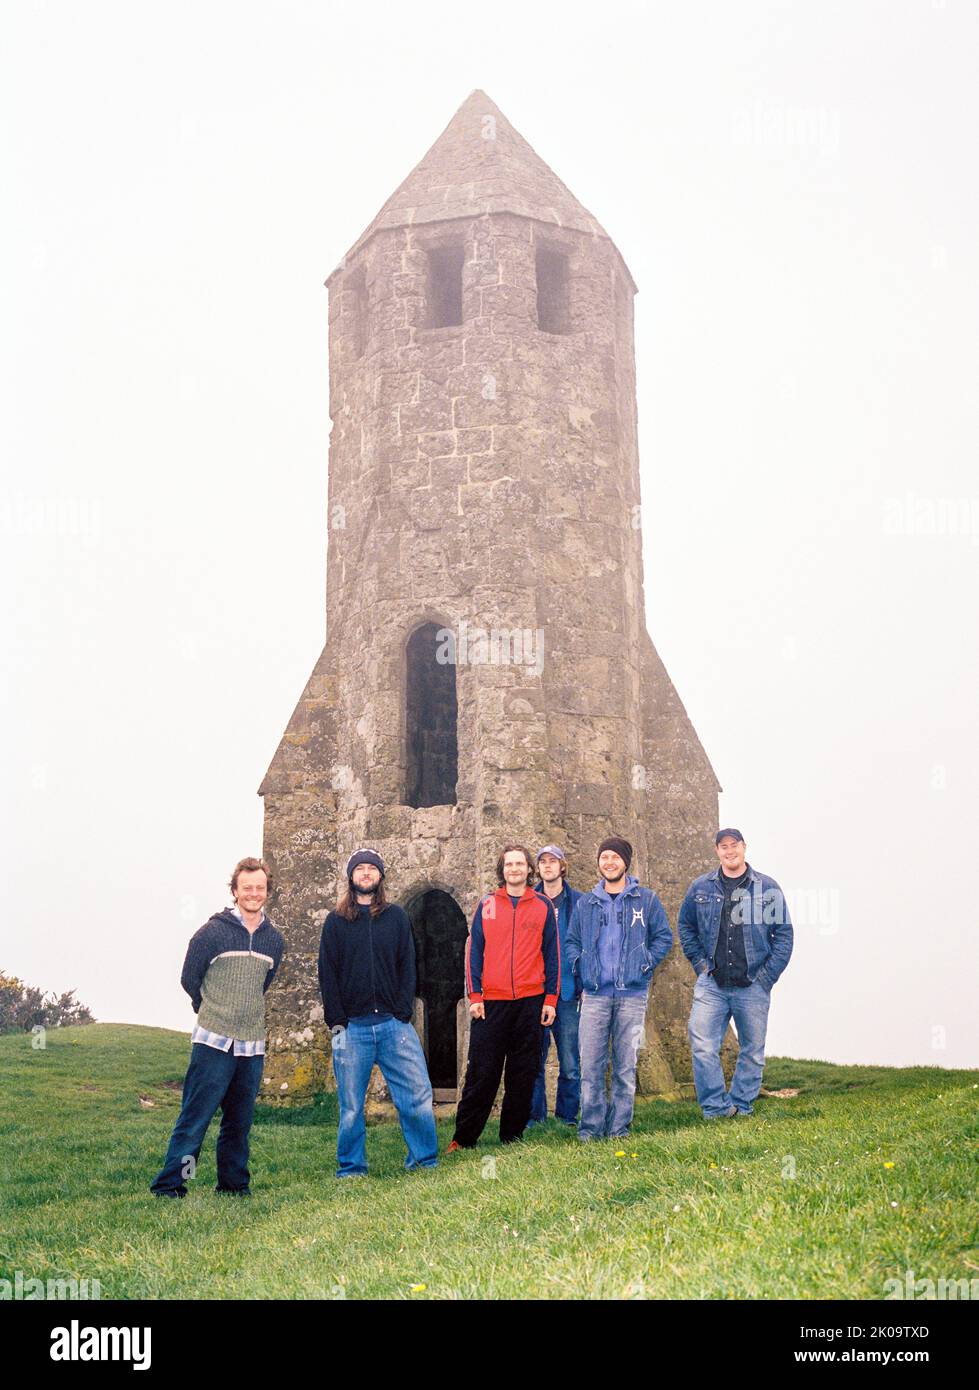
794, 189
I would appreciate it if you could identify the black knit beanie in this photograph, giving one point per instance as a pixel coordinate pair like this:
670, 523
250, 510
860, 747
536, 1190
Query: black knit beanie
621, 847
364, 856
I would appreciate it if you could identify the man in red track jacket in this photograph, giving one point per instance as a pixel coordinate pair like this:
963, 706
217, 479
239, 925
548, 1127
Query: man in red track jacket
513, 977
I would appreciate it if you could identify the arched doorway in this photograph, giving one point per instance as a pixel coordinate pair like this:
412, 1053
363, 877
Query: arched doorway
440, 930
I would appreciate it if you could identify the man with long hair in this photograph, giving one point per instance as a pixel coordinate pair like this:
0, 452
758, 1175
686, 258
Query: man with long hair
230, 963
513, 975
367, 980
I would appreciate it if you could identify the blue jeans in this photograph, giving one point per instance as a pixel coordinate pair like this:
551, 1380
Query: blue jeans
564, 1031
712, 1011
213, 1079
621, 1023
394, 1046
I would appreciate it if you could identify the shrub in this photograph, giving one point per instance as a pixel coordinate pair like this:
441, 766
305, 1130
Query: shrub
23, 1007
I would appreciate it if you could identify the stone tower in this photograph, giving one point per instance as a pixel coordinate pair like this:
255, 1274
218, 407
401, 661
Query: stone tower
487, 674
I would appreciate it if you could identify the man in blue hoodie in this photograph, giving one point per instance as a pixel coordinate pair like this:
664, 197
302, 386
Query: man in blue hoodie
619, 933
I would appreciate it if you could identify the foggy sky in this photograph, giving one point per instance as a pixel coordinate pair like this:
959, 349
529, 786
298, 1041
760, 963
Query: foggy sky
793, 188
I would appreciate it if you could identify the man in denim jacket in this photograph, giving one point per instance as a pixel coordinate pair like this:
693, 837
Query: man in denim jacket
735, 931
618, 935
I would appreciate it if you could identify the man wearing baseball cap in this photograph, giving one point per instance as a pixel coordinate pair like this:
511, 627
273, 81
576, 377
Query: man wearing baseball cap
619, 933
735, 931
552, 870
367, 980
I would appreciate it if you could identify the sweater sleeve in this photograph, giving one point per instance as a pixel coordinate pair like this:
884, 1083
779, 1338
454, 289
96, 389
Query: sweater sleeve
329, 974
196, 962
277, 949
474, 958
406, 969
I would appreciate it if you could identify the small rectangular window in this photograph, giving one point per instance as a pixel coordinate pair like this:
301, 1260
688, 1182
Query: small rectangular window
445, 286
553, 300
355, 307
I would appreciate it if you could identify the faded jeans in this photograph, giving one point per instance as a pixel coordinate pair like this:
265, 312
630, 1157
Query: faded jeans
564, 1031
713, 1009
618, 1023
394, 1046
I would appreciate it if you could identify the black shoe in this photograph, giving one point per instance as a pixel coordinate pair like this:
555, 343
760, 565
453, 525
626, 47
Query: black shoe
170, 1192
232, 1191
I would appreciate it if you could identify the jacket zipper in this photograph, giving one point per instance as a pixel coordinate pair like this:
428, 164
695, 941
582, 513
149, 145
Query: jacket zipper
615, 907
513, 947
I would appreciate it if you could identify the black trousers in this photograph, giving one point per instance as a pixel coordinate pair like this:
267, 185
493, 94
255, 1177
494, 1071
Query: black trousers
506, 1043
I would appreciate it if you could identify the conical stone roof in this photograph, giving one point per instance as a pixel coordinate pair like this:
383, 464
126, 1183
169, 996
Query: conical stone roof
480, 164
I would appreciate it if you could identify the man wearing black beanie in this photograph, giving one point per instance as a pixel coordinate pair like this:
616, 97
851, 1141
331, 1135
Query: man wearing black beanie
618, 935
367, 980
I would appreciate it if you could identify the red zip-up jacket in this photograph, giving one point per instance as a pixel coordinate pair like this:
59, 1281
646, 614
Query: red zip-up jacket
514, 952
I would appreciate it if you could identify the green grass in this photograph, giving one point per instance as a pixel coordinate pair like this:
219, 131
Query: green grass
690, 1210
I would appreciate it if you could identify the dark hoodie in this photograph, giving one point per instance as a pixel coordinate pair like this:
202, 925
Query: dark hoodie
367, 966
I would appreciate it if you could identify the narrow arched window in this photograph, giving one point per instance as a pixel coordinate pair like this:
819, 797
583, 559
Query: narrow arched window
431, 720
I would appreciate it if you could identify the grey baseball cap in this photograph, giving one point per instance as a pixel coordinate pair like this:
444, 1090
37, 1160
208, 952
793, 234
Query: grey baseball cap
551, 849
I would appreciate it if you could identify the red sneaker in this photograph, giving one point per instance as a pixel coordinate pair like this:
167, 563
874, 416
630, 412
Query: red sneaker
452, 1147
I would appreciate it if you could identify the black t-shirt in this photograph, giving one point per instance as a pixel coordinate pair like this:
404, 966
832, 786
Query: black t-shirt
730, 961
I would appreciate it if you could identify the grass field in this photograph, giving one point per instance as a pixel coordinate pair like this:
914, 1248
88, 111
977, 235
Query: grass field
868, 1173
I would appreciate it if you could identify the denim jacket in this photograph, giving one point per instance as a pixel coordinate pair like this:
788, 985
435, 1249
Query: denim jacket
760, 909
646, 937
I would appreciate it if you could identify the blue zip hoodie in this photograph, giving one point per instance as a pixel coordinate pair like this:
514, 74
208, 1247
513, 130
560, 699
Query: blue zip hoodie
622, 942
610, 936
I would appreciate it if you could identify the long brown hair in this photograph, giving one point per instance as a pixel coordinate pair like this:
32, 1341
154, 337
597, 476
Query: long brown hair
347, 906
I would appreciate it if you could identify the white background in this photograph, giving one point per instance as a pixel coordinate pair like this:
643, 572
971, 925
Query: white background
794, 189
